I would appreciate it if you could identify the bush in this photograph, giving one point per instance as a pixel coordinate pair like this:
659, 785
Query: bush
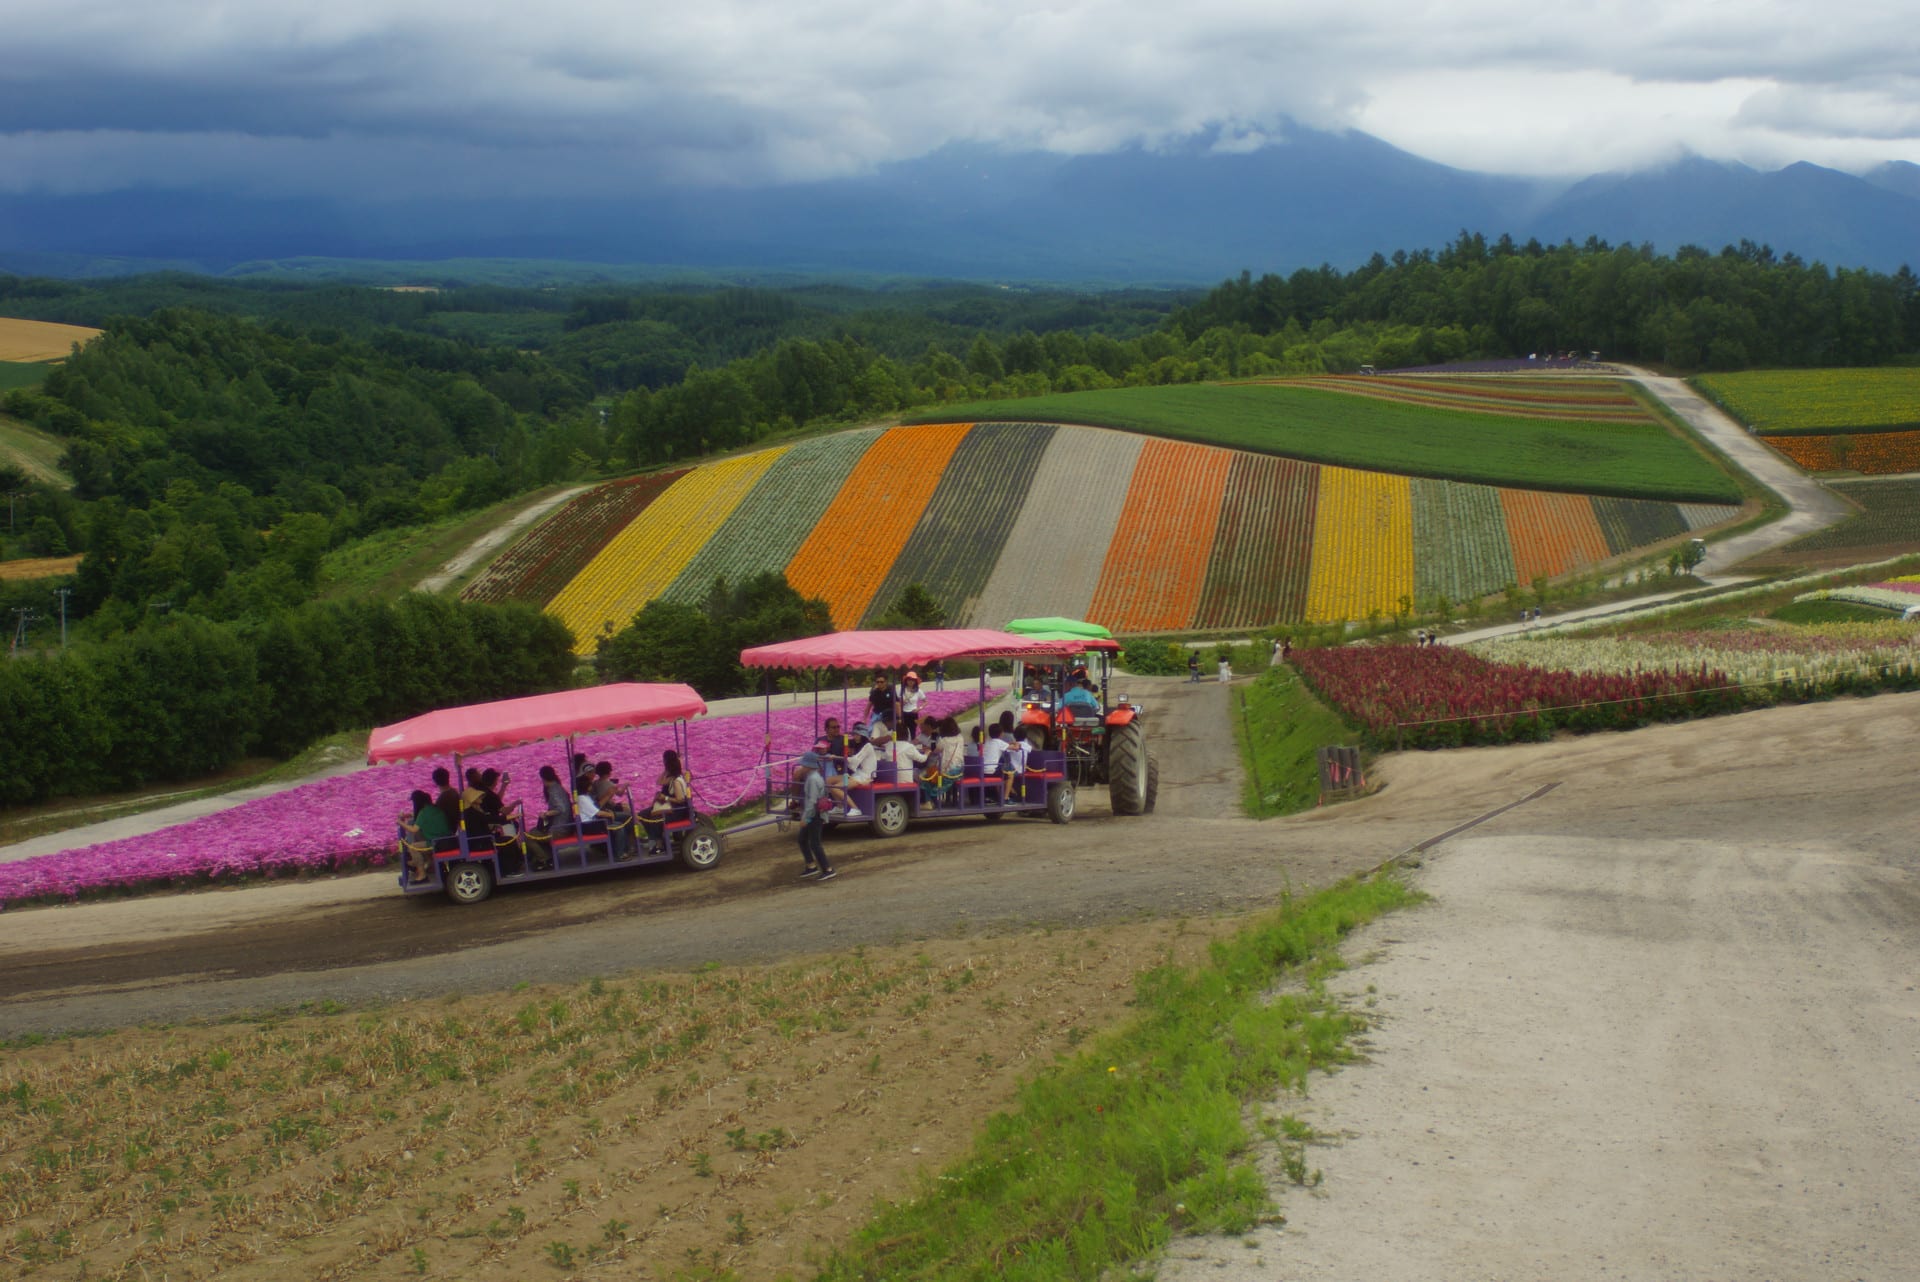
1153, 658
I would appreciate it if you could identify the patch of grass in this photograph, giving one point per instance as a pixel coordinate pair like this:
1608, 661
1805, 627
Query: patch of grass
15, 374
1110, 1153
1633, 460
1829, 612
1280, 727
33, 451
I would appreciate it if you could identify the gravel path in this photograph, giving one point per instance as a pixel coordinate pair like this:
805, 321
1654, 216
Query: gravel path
1662, 1022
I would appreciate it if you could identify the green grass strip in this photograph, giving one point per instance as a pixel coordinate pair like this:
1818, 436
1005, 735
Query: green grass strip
1109, 1154
1280, 728
1631, 460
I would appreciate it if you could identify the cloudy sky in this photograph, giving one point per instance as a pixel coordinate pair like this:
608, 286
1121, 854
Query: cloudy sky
487, 98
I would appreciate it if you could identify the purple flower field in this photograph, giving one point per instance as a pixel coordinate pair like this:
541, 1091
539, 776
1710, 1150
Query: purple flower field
350, 820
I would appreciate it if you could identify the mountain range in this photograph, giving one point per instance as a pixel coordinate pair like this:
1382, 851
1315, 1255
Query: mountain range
1186, 215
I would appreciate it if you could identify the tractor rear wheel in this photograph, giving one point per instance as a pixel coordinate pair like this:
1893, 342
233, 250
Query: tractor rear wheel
1153, 780
1127, 768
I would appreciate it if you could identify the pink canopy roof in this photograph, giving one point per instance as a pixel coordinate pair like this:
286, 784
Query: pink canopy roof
895, 649
480, 726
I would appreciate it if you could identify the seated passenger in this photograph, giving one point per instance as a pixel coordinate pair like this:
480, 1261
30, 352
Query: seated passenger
614, 807
901, 751
1013, 767
557, 818
1081, 701
863, 756
946, 760
671, 788
993, 752
446, 796
424, 824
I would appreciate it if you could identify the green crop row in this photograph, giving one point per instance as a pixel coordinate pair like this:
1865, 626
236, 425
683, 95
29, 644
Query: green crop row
1802, 400
1626, 459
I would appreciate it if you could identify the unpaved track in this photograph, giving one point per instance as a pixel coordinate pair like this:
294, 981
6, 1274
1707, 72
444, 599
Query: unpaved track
1662, 1022
357, 939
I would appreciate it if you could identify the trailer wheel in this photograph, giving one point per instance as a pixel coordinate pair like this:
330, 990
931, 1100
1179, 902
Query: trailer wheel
890, 815
469, 881
1060, 803
1127, 768
1153, 781
702, 845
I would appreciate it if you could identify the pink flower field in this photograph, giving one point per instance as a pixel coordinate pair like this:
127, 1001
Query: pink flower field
348, 821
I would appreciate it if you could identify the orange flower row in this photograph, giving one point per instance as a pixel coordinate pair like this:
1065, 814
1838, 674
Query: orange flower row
846, 558
1872, 453
1551, 534
1157, 561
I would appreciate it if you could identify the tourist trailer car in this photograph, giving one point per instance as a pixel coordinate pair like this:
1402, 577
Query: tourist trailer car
467, 867
890, 803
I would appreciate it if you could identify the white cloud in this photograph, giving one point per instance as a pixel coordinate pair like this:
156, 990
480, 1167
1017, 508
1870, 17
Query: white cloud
481, 94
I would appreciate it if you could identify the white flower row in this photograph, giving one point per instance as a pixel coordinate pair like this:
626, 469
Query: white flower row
1744, 666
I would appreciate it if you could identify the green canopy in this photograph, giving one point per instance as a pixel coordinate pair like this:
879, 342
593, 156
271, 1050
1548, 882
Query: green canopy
1058, 629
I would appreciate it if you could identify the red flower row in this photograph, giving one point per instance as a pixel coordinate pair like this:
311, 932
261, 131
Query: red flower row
1439, 696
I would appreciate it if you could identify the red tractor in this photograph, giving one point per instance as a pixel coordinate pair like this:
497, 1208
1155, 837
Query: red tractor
1069, 705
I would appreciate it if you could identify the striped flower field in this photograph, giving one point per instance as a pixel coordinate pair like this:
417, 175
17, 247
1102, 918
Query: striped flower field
1004, 520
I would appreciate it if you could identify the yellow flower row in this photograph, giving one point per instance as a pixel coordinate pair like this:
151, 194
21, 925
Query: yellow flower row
1362, 545
646, 556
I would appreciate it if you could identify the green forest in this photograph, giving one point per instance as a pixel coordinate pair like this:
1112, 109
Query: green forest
224, 436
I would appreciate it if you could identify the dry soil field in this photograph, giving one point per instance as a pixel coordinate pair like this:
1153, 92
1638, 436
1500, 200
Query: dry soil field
32, 340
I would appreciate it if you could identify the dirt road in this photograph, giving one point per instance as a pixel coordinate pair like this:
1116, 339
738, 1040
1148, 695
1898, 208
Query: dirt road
1663, 1022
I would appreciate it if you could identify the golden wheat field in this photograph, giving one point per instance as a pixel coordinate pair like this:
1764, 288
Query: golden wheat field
32, 340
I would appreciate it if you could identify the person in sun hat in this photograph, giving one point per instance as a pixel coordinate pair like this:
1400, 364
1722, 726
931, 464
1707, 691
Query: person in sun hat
911, 701
862, 754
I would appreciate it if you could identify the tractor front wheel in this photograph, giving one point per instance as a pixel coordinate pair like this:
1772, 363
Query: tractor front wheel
1128, 765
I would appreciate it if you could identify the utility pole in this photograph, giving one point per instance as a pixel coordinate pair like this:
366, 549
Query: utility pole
11, 496
63, 593
21, 617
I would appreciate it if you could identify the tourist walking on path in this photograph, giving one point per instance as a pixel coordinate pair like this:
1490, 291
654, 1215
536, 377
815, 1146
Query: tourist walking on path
813, 852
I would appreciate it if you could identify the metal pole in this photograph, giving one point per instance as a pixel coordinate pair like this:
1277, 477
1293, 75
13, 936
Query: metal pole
62, 594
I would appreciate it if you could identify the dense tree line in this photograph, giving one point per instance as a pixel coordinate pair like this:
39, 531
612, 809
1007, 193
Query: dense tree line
181, 697
1692, 310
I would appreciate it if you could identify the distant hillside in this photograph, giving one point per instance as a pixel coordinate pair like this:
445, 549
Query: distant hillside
1188, 214
998, 520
